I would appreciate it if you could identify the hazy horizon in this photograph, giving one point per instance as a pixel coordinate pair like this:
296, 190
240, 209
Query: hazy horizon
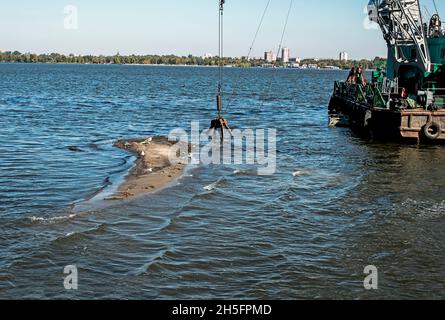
318, 29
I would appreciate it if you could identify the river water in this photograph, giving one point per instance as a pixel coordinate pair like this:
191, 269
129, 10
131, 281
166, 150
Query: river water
336, 204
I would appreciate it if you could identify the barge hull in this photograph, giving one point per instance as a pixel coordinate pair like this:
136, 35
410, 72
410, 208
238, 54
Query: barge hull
407, 125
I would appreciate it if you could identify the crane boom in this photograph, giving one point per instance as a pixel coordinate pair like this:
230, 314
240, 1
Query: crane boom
403, 29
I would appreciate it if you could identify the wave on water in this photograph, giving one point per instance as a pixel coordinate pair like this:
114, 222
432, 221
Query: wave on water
302, 173
421, 209
156, 261
214, 185
77, 235
246, 172
51, 220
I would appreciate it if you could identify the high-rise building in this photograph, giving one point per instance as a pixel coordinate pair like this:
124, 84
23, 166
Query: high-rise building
269, 56
285, 54
343, 56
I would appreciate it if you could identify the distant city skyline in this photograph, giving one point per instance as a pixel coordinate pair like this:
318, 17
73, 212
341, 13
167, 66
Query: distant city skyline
343, 56
316, 29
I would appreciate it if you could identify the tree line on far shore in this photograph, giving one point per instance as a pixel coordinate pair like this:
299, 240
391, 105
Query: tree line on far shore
366, 64
18, 57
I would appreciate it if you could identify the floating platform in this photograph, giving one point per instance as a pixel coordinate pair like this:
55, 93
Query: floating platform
405, 125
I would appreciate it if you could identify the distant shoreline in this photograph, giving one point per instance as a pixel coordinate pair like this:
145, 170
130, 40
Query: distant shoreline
166, 65
183, 61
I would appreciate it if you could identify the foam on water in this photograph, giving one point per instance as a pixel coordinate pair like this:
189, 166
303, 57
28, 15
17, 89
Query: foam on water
214, 185
51, 219
300, 173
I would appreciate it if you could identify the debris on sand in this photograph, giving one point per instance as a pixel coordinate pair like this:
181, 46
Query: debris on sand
152, 170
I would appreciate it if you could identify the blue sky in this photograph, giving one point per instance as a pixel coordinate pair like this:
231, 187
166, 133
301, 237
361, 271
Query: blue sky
317, 28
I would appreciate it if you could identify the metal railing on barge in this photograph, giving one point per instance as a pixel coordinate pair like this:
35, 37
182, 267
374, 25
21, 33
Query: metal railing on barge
370, 94
379, 95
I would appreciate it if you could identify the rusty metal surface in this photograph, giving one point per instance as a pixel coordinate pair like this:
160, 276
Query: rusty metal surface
386, 124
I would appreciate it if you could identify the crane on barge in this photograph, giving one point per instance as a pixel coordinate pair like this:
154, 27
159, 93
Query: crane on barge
407, 101
402, 27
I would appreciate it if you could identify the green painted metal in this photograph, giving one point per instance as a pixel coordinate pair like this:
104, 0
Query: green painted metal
360, 94
379, 101
437, 50
439, 101
369, 94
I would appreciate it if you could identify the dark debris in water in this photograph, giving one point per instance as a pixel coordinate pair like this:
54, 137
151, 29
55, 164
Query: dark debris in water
75, 149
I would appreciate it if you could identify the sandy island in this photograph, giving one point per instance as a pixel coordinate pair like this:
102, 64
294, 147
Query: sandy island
152, 170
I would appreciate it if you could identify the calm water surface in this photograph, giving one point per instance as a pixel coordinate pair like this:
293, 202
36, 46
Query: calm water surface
336, 204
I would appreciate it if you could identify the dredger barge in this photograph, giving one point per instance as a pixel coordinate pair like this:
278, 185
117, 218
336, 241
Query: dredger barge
405, 102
